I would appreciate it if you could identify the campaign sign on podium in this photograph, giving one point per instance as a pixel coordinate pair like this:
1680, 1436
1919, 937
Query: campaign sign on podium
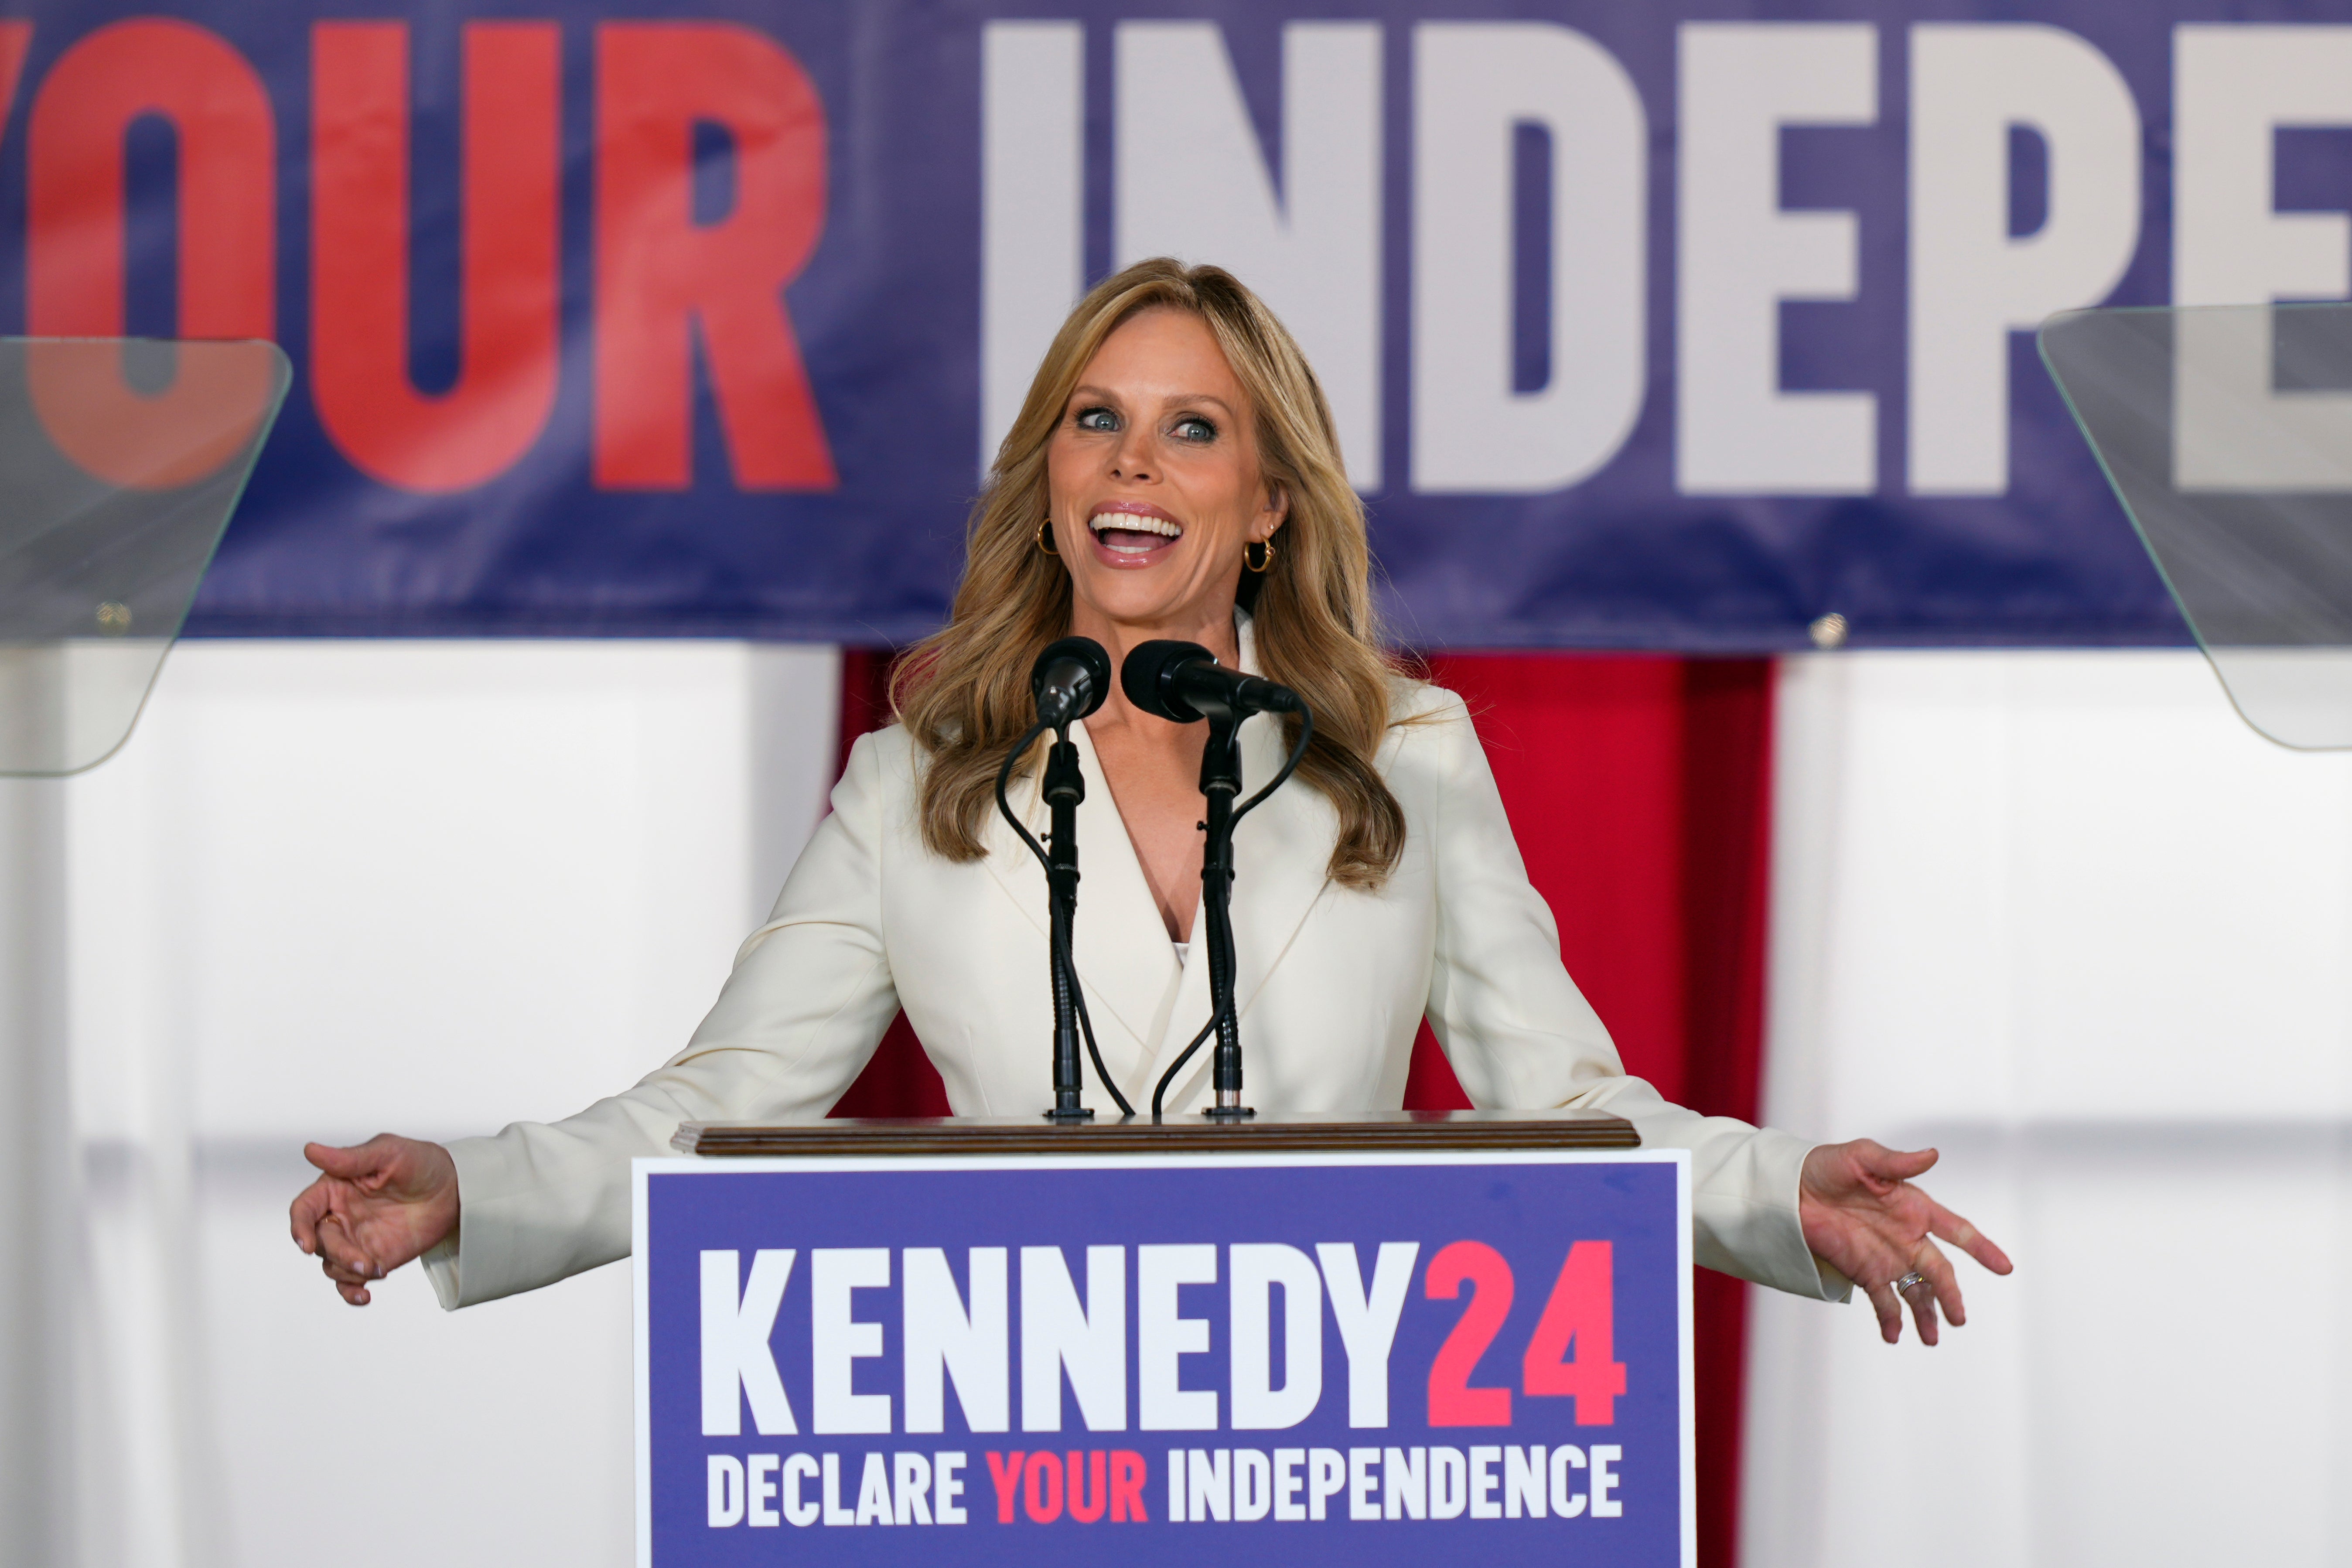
1285, 1359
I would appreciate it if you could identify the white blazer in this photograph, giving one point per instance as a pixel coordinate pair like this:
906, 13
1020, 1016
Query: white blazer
1331, 983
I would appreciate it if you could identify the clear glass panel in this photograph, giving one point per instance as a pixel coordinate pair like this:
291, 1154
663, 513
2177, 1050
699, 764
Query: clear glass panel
121, 460
2227, 432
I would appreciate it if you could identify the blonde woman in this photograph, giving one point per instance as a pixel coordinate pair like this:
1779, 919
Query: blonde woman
1175, 455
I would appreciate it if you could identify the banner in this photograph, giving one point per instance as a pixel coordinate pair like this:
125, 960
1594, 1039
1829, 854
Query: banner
1250, 1359
1645, 326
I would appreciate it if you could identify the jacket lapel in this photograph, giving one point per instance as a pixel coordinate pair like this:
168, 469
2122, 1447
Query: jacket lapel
1009, 861
1281, 853
1122, 944
1120, 948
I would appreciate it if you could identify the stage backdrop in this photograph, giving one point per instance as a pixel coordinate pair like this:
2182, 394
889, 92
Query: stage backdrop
1647, 326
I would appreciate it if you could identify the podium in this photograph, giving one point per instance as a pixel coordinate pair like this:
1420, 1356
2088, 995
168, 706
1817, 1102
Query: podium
1310, 1338
120, 462
1295, 1130
2226, 433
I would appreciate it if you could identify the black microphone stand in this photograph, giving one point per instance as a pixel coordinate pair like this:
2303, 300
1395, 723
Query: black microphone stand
1179, 681
1221, 781
1064, 787
1069, 682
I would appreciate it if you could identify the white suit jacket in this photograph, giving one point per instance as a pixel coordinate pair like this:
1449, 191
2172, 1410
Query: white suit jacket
1332, 983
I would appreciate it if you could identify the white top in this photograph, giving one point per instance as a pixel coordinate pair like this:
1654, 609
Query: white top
1332, 983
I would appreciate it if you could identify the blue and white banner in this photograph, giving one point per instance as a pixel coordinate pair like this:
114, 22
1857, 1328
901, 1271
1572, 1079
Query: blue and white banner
1350, 1360
1662, 326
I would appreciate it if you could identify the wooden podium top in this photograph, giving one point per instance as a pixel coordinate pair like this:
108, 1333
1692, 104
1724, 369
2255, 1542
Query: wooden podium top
1190, 1133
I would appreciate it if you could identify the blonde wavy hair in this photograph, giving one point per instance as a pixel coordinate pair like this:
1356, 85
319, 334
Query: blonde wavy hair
964, 693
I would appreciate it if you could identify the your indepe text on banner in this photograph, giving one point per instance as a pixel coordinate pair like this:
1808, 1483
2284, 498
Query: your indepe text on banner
1281, 1359
1643, 326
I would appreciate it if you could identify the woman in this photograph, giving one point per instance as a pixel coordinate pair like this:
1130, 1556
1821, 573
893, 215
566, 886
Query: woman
1173, 447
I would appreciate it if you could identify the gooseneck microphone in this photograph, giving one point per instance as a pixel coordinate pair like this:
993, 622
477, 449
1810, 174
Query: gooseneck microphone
1069, 682
1183, 682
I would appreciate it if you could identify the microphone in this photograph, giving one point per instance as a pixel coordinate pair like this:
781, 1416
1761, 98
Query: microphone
1182, 682
1070, 680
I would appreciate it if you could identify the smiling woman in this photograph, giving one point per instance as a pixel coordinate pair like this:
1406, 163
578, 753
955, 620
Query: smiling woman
1173, 446
1174, 437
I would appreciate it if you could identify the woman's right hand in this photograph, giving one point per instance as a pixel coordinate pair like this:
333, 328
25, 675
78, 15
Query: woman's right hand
377, 1205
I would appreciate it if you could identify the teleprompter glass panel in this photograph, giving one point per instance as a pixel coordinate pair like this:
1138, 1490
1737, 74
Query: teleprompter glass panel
2227, 432
120, 462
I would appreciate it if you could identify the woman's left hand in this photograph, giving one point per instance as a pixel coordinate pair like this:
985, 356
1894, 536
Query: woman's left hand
1862, 1217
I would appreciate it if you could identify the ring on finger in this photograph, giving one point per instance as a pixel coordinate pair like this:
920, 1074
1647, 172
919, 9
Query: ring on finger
1908, 1280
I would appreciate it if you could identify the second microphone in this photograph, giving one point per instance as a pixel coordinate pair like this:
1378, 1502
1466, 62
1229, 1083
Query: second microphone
1183, 681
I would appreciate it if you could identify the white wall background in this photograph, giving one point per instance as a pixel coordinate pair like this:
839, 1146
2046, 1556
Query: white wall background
2068, 920
331, 889
2060, 915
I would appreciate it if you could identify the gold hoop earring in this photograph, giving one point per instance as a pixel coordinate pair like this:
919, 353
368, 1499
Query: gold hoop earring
1264, 558
1045, 538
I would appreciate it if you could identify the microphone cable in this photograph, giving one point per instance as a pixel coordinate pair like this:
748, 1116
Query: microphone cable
1069, 973
1298, 755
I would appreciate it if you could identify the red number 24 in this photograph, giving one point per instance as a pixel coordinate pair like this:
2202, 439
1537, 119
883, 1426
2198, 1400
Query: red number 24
1580, 1313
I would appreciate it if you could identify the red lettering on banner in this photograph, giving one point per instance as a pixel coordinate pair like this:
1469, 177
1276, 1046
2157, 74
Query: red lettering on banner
358, 254
1081, 1509
1582, 1308
660, 274
1004, 1470
15, 37
75, 268
1045, 1502
1128, 1475
1452, 1401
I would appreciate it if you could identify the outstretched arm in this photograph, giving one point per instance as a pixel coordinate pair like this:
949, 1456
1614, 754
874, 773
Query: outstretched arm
376, 1205
810, 995
1521, 1036
1764, 1206
1862, 1217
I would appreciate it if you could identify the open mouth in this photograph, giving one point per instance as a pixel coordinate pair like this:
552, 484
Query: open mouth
1133, 536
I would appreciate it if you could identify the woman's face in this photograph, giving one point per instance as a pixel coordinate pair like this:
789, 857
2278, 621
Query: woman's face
1154, 477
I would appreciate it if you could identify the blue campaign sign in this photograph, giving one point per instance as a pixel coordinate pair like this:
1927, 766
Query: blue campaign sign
1281, 1359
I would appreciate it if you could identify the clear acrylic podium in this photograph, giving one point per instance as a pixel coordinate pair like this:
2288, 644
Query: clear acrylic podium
2227, 432
120, 461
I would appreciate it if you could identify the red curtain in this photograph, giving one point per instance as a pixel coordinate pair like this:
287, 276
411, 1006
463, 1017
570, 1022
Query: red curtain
900, 1080
1639, 789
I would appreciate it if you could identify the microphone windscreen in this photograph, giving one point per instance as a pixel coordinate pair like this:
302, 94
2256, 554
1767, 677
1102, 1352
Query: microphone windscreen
1083, 651
1146, 678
